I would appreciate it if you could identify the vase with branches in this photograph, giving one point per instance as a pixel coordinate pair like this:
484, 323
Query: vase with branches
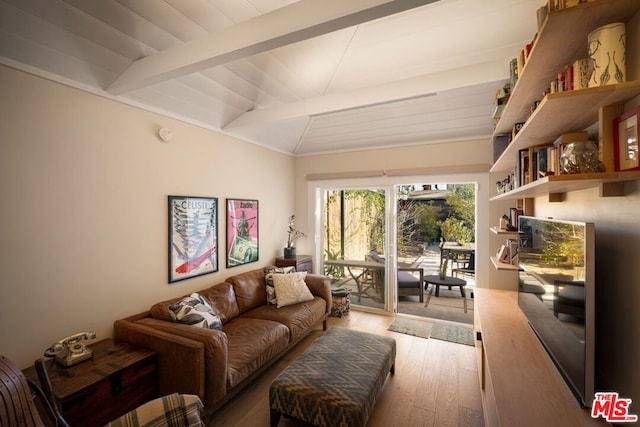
293, 234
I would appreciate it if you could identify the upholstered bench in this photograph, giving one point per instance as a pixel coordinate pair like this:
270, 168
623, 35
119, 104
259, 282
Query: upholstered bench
336, 381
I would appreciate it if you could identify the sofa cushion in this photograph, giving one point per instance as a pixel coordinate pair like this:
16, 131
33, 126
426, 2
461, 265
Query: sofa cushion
223, 298
408, 280
291, 289
268, 278
250, 289
252, 343
194, 310
299, 318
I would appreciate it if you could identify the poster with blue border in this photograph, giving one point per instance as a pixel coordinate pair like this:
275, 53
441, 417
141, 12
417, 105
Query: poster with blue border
193, 237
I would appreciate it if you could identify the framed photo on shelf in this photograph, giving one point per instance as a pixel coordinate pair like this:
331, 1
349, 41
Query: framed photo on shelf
193, 237
625, 130
503, 254
242, 232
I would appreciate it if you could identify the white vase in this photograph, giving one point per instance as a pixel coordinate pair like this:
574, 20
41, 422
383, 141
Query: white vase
607, 53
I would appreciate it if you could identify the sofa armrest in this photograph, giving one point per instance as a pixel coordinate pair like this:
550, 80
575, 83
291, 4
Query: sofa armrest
320, 286
172, 350
215, 354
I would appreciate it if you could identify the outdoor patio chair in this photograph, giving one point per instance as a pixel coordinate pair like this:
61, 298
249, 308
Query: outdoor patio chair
467, 269
410, 279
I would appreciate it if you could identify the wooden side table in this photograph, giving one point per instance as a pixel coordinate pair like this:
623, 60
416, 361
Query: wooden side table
300, 262
119, 378
340, 303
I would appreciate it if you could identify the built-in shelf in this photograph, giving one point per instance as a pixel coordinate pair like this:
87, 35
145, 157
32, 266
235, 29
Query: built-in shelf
561, 40
560, 113
503, 265
496, 230
519, 383
559, 184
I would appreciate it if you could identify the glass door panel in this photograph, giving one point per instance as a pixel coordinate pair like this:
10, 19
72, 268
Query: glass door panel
429, 217
354, 243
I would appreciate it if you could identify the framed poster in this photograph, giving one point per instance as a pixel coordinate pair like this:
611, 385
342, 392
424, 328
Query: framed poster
193, 237
242, 232
625, 130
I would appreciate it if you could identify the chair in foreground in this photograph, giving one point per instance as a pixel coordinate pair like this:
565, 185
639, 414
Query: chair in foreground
18, 397
172, 410
24, 403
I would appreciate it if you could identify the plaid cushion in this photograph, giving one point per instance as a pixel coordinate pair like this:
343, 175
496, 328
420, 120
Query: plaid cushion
174, 410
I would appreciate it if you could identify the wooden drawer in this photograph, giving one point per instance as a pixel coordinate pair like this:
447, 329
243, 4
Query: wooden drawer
113, 396
119, 378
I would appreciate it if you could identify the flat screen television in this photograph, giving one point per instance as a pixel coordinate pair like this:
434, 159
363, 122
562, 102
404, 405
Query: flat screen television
556, 291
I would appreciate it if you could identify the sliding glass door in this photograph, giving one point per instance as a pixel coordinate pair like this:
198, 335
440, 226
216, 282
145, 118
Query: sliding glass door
375, 236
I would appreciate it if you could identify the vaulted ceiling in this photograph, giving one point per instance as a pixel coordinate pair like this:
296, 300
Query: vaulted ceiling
301, 77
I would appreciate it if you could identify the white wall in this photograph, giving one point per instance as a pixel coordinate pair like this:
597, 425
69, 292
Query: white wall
83, 222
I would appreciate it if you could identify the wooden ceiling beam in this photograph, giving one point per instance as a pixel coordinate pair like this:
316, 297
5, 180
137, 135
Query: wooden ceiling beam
290, 24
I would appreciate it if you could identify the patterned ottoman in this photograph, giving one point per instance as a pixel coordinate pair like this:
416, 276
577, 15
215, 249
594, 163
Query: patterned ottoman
336, 381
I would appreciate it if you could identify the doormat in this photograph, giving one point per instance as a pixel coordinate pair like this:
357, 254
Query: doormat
416, 328
439, 331
453, 333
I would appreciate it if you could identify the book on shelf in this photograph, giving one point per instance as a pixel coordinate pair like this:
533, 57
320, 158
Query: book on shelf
553, 161
542, 161
513, 73
514, 214
541, 15
523, 167
516, 128
500, 143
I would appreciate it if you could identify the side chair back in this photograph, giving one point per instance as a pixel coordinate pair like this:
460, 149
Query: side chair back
17, 405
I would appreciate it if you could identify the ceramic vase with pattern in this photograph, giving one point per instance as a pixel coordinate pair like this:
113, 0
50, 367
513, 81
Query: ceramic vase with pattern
607, 53
582, 70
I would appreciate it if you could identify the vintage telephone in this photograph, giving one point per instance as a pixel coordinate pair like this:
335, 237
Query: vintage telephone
69, 351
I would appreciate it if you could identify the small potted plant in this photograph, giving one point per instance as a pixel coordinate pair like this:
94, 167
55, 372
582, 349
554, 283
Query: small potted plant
292, 236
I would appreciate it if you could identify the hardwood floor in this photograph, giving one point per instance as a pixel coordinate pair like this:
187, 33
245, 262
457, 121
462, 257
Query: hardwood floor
435, 383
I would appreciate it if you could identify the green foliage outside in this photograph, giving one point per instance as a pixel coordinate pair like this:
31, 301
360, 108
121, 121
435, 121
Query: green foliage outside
462, 202
419, 222
455, 222
455, 230
362, 222
428, 218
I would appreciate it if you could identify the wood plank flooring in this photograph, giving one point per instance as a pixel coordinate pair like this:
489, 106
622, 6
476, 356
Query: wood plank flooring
435, 383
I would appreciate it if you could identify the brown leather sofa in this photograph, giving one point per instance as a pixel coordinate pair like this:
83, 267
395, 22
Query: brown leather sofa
217, 364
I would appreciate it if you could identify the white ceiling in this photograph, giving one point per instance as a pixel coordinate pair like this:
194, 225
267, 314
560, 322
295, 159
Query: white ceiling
300, 77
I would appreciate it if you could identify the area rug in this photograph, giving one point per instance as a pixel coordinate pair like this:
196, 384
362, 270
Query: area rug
439, 331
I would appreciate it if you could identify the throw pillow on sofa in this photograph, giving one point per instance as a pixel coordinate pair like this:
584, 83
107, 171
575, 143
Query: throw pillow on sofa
291, 288
195, 310
268, 278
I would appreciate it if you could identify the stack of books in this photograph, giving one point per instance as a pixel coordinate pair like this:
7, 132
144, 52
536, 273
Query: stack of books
537, 162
